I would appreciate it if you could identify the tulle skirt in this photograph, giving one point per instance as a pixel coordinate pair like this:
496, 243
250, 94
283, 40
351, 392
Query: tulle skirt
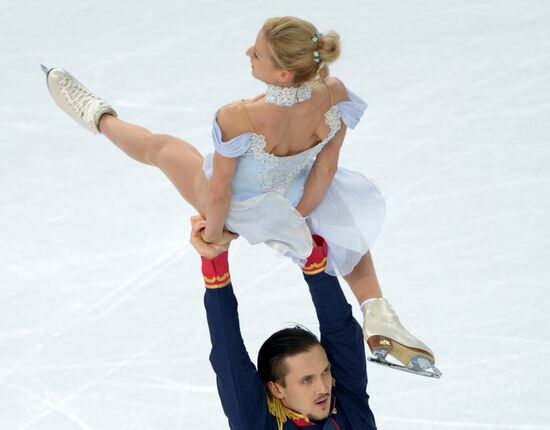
349, 218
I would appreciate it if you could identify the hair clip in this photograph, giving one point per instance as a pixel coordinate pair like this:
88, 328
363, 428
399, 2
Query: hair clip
316, 57
315, 38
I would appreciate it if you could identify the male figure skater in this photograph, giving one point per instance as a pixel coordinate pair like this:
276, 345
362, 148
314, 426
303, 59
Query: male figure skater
300, 382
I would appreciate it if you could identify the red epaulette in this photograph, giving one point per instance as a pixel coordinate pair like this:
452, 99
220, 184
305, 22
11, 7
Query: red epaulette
317, 260
215, 271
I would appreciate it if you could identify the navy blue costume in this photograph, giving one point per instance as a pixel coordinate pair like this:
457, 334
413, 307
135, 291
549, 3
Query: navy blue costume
241, 391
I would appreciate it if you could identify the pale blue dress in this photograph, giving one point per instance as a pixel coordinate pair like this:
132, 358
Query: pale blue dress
266, 189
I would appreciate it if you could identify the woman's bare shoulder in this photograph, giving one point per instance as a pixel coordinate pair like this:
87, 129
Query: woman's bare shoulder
255, 99
232, 120
337, 88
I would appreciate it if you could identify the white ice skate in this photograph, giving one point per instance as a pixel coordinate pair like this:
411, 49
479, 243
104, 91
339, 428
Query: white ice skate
386, 335
75, 99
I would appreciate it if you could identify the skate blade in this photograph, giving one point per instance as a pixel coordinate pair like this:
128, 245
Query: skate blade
45, 69
432, 372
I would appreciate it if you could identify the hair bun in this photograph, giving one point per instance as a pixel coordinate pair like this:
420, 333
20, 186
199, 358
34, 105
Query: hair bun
296, 45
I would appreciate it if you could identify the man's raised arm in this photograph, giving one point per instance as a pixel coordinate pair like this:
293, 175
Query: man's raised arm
341, 334
239, 386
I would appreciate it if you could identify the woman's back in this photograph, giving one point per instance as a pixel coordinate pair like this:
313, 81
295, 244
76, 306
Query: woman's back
282, 142
294, 129
287, 130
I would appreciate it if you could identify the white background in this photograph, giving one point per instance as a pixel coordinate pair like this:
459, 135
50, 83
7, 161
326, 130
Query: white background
102, 325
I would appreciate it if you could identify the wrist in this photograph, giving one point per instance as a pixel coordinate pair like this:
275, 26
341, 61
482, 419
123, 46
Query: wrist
208, 237
215, 271
302, 210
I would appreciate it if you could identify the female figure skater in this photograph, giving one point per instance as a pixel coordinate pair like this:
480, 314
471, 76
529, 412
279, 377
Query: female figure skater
274, 174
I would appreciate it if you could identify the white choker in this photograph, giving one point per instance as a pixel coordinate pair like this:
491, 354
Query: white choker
287, 96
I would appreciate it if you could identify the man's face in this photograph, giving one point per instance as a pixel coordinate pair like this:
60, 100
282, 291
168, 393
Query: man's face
308, 384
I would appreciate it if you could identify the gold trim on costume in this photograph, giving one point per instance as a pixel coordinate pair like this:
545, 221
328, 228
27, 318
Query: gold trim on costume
315, 268
217, 278
217, 281
281, 412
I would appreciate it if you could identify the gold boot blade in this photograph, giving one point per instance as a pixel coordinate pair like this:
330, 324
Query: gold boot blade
384, 331
401, 352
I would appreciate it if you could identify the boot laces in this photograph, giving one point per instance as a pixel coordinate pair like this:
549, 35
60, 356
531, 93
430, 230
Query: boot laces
80, 99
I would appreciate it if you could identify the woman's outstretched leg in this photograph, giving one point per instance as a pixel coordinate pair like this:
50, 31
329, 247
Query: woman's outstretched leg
179, 160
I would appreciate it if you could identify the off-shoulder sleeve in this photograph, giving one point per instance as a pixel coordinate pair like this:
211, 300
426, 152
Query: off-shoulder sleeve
232, 148
352, 110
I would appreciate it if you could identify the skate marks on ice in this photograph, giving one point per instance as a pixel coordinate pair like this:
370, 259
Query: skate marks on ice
441, 424
61, 405
52, 404
122, 292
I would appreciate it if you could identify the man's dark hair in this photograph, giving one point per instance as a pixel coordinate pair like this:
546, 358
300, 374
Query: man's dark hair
281, 344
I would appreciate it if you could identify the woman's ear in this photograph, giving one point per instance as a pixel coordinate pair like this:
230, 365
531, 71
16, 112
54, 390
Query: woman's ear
285, 76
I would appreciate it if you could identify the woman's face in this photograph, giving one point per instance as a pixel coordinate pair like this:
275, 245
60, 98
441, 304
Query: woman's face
264, 67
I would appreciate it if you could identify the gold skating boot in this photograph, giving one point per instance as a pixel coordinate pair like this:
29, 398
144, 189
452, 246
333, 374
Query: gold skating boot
385, 335
75, 99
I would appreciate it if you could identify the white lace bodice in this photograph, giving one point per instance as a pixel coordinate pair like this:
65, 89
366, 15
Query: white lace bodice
259, 172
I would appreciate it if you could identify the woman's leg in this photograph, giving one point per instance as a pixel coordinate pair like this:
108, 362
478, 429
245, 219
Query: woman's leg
382, 329
363, 281
179, 160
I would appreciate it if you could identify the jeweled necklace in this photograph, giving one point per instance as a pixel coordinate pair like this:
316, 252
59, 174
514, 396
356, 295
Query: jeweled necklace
287, 96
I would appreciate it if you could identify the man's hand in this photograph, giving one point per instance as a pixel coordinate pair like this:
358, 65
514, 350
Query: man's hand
225, 237
205, 249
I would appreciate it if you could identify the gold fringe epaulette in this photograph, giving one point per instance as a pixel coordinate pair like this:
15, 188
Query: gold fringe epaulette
281, 412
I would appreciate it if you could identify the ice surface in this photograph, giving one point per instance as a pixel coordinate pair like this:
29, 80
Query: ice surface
101, 318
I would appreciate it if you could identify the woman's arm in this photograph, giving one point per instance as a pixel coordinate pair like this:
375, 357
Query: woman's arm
230, 120
321, 174
219, 196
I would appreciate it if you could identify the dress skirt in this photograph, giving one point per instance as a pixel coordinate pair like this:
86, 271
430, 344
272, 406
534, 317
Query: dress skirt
349, 218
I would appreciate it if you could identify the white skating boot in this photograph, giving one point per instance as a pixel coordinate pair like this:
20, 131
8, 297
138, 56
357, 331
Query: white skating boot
75, 99
386, 335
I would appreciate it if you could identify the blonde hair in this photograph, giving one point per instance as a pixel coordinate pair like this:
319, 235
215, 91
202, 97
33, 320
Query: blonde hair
291, 45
